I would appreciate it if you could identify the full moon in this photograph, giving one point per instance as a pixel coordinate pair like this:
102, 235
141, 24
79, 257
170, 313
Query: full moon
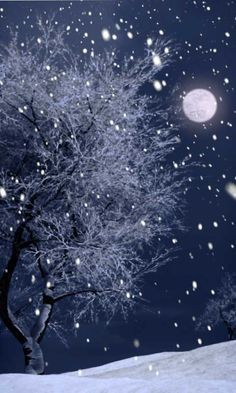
199, 105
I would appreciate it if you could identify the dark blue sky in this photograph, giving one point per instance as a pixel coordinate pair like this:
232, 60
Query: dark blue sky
204, 33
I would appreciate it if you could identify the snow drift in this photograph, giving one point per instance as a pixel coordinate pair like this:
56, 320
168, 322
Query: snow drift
203, 370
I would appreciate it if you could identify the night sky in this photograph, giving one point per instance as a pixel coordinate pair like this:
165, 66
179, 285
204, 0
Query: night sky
204, 38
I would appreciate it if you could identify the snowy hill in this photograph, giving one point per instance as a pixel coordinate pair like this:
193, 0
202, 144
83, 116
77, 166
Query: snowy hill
203, 370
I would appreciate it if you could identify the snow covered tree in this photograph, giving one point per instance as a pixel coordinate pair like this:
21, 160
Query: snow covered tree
87, 195
222, 309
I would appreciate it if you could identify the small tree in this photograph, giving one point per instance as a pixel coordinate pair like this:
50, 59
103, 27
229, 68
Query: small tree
222, 309
85, 185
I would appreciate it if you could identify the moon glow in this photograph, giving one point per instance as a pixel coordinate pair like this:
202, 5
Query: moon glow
199, 105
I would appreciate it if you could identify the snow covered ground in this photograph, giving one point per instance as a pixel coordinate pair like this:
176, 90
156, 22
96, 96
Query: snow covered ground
203, 370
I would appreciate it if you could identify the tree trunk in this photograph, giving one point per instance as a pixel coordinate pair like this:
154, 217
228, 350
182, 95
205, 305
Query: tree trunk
34, 361
230, 333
